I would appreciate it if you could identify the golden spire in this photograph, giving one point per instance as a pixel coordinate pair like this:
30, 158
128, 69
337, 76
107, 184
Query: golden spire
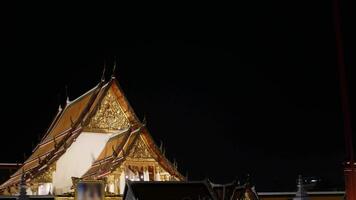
144, 121
114, 70
67, 96
103, 73
59, 108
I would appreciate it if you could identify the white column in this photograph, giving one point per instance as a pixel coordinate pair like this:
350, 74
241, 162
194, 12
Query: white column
146, 176
44, 188
122, 182
157, 175
29, 191
111, 188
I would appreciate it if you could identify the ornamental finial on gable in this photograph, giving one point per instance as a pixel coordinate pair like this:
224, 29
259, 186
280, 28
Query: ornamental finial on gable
59, 108
67, 100
103, 73
114, 69
67, 96
144, 121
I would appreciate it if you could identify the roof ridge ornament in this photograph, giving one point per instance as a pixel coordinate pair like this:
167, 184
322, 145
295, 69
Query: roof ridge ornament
102, 79
67, 100
60, 108
67, 96
114, 69
161, 146
144, 120
59, 103
175, 164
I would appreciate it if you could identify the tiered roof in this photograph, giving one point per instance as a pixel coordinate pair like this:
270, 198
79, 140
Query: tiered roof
76, 118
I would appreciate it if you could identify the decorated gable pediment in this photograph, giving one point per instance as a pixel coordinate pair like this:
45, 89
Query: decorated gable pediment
109, 115
140, 150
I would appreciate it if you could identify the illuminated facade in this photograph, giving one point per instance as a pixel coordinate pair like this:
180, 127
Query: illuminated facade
94, 137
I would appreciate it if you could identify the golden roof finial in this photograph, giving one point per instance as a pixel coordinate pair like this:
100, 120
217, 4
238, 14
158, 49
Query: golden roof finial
59, 108
175, 164
144, 121
161, 146
59, 102
103, 73
114, 69
67, 96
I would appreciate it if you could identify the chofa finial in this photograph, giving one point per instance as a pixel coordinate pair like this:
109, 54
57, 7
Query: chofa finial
102, 79
114, 69
161, 146
67, 96
59, 108
144, 120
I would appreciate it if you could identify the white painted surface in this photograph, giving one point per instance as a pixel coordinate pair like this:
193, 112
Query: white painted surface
122, 182
146, 175
45, 189
157, 176
78, 159
111, 187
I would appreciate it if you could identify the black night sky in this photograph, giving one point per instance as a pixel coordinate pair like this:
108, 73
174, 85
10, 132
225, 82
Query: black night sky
230, 89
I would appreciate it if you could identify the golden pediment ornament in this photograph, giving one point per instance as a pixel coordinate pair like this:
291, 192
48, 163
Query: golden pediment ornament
109, 116
140, 150
45, 177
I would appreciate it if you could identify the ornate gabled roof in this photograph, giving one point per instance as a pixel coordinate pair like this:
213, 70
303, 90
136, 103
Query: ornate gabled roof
63, 127
86, 113
120, 147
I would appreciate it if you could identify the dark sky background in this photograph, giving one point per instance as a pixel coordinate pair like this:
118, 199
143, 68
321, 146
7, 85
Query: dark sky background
230, 89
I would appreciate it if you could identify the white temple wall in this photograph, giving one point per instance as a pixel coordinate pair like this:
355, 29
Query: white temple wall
78, 159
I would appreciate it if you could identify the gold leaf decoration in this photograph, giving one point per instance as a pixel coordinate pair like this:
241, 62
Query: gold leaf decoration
109, 116
140, 150
45, 177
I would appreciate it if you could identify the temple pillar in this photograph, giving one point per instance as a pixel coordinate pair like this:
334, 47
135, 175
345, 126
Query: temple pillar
157, 174
116, 182
146, 176
122, 182
110, 184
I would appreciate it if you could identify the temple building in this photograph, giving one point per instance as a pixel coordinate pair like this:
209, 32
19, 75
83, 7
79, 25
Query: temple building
94, 137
